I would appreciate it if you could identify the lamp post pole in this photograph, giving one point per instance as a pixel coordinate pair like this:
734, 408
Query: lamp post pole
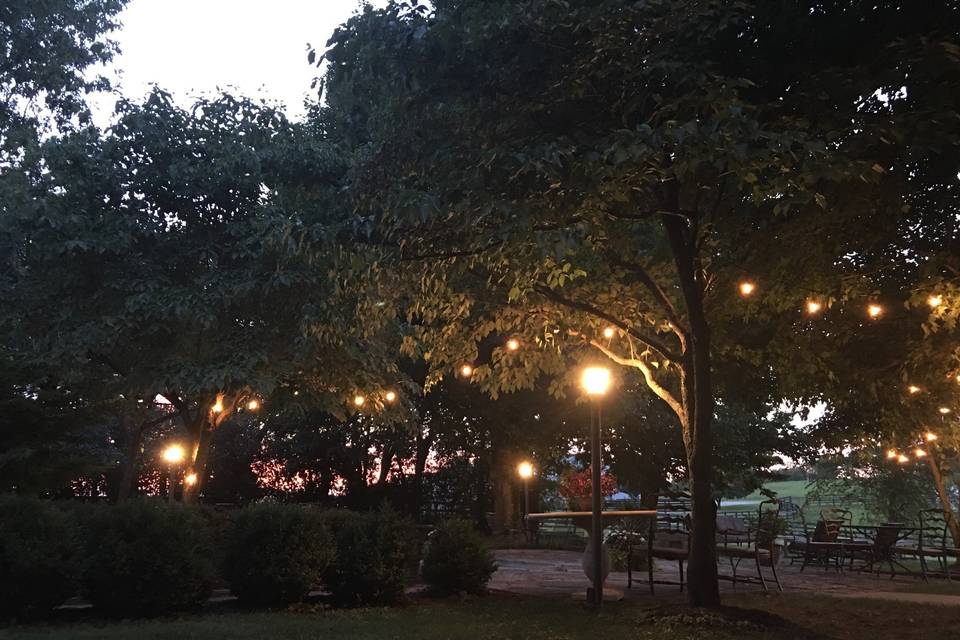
596, 534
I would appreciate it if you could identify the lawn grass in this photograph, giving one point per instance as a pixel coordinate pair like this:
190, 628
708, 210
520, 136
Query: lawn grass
526, 618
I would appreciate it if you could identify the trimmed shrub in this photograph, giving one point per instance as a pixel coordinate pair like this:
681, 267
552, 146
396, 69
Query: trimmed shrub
456, 559
38, 555
274, 554
146, 557
375, 552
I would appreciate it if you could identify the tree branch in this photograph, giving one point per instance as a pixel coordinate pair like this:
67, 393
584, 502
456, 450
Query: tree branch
658, 293
662, 392
653, 343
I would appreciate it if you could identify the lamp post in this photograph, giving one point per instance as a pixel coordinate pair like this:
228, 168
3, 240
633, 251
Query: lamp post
596, 381
173, 455
525, 471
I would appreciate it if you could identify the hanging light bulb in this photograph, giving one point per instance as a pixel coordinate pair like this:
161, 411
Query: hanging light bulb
943, 411
747, 288
190, 479
358, 400
935, 301
813, 307
920, 453
217, 407
466, 371
891, 454
253, 405
902, 459
874, 310
930, 436
390, 396
609, 332
513, 344
913, 389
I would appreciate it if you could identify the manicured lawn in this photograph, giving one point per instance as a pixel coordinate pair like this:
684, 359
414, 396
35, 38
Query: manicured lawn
507, 617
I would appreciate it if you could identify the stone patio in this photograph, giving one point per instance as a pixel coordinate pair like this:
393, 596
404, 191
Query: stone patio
550, 572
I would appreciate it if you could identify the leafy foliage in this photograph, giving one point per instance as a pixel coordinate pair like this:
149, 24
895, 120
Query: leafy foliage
38, 556
275, 553
374, 558
146, 557
456, 559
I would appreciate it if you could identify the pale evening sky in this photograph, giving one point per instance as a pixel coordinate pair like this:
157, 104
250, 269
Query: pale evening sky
190, 48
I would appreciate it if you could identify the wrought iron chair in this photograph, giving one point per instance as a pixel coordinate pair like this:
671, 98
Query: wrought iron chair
936, 541
668, 539
761, 546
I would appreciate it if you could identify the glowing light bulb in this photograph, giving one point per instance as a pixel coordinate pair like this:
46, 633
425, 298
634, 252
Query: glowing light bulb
358, 400
466, 371
913, 389
891, 454
920, 453
525, 470
217, 407
747, 288
390, 396
190, 479
813, 307
596, 380
253, 405
902, 459
935, 301
943, 411
930, 436
174, 454
609, 332
513, 344
874, 310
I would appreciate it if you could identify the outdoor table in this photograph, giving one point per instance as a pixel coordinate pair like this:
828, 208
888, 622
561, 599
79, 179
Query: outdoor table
881, 550
581, 520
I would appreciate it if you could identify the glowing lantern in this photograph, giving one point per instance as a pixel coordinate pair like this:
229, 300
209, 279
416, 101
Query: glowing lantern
595, 380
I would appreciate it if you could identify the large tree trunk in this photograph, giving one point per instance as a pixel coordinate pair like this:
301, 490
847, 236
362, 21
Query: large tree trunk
128, 476
202, 433
944, 499
697, 419
504, 505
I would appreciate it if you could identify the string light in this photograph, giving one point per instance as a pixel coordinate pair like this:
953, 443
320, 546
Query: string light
813, 307
358, 400
920, 453
943, 411
934, 301
190, 479
930, 436
390, 396
913, 389
874, 310
747, 288
902, 459
513, 344
253, 405
891, 454
466, 371
217, 407
609, 332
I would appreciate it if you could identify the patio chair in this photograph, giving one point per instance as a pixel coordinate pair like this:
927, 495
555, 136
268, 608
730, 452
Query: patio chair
732, 530
936, 541
760, 546
668, 539
823, 544
879, 551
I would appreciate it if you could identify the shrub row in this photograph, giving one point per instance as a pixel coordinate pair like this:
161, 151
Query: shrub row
147, 557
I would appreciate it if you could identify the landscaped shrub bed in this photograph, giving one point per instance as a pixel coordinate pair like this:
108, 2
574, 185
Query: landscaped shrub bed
150, 557
456, 559
376, 553
146, 557
38, 557
274, 554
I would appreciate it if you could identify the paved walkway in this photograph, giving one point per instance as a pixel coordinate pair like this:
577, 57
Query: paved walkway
550, 572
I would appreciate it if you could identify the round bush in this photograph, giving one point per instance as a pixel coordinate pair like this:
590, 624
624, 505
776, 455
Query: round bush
374, 554
275, 553
37, 556
457, 560
146, 557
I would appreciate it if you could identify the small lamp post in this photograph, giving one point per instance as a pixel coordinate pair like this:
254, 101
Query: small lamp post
525, 471
173, 455
596, 382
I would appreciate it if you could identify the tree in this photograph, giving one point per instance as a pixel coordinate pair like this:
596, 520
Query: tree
151, 261
546, 170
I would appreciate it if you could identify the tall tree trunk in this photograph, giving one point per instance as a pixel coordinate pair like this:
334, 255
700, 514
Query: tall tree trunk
131, 460
419, 466
697, 419
202, 432
504, 505
944, 499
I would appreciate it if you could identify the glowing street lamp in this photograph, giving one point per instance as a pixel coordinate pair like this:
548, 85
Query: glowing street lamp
596, 381
525, 471
173, 455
